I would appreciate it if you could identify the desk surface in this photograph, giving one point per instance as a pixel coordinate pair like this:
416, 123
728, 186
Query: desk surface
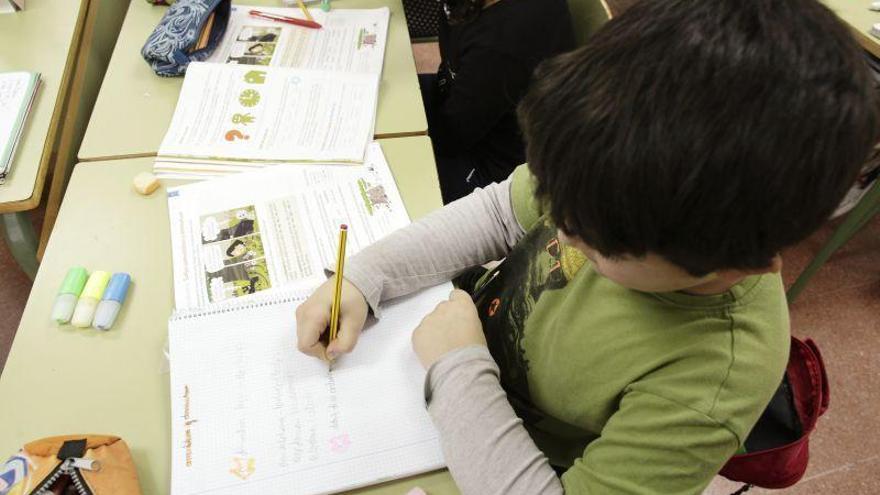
38, 39
860, 19
135, 106
80, 381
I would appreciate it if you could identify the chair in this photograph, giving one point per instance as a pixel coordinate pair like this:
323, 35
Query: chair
422, 18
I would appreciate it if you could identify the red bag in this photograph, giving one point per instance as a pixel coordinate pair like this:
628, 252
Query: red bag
777, 449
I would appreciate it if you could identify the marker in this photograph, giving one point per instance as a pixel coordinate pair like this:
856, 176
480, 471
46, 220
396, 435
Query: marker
68, 294
110, 305
85, 307
325, 5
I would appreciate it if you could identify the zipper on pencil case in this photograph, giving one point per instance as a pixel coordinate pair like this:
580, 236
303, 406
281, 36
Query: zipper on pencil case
69, 467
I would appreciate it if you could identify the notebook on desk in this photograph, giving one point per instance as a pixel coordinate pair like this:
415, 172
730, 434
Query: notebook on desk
17, 91
251, 414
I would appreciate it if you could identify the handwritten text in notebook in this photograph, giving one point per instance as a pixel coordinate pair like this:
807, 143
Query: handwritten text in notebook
250, 414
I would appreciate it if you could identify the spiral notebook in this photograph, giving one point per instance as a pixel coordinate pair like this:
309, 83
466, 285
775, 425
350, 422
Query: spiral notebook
17, 92
251, 414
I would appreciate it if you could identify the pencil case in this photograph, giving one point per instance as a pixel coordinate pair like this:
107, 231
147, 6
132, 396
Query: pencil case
80, 464
175, 41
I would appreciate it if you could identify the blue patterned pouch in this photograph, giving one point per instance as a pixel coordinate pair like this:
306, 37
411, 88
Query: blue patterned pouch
167, 50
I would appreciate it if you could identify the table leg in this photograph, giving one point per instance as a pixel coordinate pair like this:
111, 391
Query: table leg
864, 211
18, 231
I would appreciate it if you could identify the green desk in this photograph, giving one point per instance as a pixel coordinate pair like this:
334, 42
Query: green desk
855, 13
62, 380
135, 106
69, 43
42, 38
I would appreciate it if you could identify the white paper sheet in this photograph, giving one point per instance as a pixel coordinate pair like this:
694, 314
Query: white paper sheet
349, 40
252, 415
243, 234
238, 113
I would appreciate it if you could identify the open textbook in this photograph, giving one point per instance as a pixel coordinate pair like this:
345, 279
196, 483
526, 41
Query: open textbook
234, 114
349, 40
252, 415
239, 235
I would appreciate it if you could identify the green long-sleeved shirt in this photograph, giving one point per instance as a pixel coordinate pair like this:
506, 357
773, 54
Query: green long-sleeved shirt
631, 392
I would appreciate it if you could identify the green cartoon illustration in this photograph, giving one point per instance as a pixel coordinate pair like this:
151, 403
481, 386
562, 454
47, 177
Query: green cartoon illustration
238, 222
244, 249
238, 280
255, 76
242, 118
249, 98
374, 196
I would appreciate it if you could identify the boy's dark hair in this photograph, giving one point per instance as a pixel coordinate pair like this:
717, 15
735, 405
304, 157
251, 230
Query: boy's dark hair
711, 132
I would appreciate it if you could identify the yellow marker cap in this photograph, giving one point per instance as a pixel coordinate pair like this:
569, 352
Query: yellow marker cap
96, 284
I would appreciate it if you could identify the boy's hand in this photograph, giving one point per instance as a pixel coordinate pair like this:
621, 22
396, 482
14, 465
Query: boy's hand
453, 324
313, 319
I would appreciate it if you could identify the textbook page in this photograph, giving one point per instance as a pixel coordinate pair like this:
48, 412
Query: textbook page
239, 113
239, 235
252, 415
348, 41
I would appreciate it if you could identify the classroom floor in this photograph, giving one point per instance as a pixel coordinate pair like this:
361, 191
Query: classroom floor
840, 309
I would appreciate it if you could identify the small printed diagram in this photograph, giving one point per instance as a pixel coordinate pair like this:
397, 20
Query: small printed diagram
238, 280
366, 38
374, 196
238, 222
254, 45
249, 98
232, 251
233, 254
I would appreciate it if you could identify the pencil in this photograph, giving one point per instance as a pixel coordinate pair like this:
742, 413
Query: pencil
302, 7
337, 294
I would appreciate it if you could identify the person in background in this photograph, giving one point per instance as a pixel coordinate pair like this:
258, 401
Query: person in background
488, 50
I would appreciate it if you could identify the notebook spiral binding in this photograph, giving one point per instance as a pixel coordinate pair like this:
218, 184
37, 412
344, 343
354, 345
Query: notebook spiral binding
234, 306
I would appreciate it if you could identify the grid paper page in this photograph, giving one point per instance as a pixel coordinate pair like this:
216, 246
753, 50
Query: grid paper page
251, 414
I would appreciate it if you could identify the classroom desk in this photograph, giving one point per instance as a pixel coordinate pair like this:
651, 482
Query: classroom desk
42, 38
135, 106
64, 380
855, 13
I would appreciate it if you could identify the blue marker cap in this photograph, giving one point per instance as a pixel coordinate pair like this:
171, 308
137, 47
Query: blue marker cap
117, 288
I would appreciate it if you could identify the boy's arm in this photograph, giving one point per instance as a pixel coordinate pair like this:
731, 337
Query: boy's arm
476, 229
649, 445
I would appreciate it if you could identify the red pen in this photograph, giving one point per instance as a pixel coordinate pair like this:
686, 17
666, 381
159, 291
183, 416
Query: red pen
282, 18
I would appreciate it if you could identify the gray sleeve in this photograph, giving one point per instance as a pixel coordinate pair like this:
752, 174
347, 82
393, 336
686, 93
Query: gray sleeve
474, 230
487, 449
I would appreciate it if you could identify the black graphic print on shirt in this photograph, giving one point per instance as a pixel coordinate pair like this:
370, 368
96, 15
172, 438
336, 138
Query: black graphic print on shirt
534, 266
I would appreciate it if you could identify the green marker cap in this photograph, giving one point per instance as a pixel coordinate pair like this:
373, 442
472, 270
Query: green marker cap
74, 281
96, 284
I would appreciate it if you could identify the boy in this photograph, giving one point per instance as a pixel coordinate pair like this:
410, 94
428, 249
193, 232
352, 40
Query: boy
638, 326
